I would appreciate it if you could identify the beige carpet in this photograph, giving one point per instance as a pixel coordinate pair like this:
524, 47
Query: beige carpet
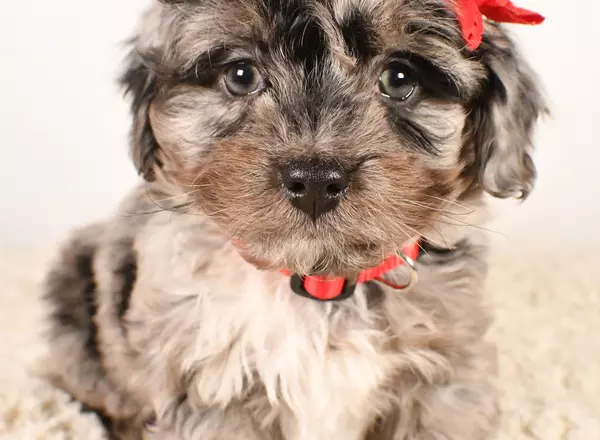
548, 331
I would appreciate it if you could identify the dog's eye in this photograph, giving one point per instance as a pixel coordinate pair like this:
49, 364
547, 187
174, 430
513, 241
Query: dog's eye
398, 81
242, 78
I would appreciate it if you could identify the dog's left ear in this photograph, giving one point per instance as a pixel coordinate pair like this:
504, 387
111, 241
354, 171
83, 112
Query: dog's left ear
501, 121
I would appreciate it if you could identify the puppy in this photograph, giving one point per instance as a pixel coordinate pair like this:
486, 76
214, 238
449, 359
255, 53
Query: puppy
280, 139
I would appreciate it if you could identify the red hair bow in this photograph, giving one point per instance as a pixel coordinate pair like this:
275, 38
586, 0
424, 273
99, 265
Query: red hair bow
471, 12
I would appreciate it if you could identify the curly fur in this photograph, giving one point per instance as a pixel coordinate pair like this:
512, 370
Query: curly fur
172, 320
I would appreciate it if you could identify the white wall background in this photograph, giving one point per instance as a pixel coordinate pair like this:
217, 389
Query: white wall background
63, 124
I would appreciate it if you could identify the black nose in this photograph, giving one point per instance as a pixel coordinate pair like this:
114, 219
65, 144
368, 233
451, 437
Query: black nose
314, 186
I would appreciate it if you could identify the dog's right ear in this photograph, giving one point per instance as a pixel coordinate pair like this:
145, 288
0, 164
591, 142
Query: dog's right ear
139, 84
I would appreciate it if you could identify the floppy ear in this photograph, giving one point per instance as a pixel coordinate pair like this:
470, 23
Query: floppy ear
139, 83
503, 118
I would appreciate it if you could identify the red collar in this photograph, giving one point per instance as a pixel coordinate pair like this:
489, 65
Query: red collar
327, 289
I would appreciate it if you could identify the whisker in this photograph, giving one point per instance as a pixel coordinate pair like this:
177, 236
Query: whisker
420, 234
431, 207
468, 210
175, 208
463, 223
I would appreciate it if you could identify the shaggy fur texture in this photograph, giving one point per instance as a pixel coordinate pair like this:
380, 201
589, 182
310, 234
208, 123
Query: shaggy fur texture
172, 319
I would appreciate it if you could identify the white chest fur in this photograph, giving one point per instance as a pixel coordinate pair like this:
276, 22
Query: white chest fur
231, 326
318, 371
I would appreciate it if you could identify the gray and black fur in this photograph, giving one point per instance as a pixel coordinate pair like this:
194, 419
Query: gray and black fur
172, 321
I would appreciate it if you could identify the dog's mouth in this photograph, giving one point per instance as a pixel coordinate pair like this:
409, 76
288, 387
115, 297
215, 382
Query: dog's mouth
316, 258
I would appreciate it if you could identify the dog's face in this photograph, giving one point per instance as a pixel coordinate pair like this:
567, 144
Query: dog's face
323, 134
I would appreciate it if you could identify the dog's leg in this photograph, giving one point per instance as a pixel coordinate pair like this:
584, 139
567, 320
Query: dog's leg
74, 362
460, 411
183, 422
348, 428
464, 408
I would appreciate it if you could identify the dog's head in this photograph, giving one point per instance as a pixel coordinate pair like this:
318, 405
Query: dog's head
323, 134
